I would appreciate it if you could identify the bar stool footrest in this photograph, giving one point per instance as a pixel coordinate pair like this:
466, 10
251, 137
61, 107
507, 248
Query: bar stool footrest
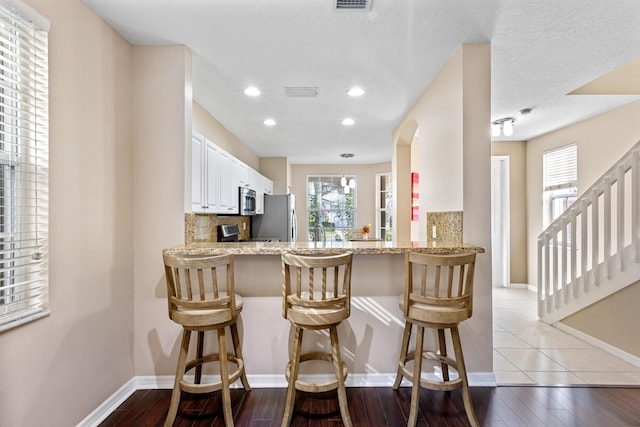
429, 384
215, 386
316, 387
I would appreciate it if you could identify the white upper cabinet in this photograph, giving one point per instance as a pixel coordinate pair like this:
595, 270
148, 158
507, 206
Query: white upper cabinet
229, 185
211, 178
197, 176
263, 186
216, 178
267, 185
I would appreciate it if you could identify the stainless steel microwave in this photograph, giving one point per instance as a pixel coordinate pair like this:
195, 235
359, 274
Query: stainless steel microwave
247, 201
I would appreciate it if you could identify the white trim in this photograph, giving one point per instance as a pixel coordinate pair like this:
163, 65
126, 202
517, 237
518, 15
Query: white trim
615, 351
476, 379
110, 405
30, 13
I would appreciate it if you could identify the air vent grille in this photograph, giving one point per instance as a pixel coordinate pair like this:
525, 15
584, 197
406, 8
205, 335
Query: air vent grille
353, 4
301, 92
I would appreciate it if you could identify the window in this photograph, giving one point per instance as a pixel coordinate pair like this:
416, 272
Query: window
560, 180
384, 207
329, 209
24, 136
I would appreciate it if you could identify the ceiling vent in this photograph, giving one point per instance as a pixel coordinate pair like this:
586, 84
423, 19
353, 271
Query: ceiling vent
301, 92
353, 4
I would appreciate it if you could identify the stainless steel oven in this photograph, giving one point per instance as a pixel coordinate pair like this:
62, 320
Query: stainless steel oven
247, 201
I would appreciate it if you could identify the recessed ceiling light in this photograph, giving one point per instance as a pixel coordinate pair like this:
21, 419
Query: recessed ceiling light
355, 91
348, 121
252, 91
270, 122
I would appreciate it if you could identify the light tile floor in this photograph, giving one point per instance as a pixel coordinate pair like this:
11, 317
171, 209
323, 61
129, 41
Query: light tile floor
528, 351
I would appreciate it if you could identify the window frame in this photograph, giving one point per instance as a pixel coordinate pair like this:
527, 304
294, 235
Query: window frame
24, 159
559, 180
388, 211
342, 233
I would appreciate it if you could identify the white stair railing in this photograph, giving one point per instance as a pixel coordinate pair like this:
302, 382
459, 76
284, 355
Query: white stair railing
593, 249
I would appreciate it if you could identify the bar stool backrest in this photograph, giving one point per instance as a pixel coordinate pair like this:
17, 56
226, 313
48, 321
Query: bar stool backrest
438, 288
312, 283
200, 290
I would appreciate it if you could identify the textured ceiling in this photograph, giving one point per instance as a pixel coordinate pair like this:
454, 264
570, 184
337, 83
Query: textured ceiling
541, 51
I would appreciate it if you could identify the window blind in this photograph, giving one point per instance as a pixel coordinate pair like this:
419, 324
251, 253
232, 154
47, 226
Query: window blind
561, 167
24, 157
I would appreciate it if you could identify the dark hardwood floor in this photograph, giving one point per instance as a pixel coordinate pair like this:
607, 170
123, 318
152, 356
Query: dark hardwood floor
499, 406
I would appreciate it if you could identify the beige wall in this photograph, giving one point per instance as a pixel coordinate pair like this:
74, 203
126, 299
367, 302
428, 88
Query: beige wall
206, 125
455, 165
439, 117
601, 141
516, 151
55, 371
613, 320
159, 188
278, 170
365, 190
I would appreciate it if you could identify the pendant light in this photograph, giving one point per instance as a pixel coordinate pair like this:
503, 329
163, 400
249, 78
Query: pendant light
351, 183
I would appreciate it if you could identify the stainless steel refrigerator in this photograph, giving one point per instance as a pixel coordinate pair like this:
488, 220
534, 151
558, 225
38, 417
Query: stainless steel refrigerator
278, 220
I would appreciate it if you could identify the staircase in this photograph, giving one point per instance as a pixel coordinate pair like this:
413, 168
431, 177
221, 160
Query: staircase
593, 249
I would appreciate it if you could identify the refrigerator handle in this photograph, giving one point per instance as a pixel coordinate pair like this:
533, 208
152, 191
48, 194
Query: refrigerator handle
294, 226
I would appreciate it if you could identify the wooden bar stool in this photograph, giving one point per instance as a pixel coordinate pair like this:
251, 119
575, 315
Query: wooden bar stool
201, 298
316, 294
429, 302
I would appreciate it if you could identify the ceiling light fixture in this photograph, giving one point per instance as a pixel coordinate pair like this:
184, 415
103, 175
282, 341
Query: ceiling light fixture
348, 121
355, 91
504, 126
270, 122
252, 91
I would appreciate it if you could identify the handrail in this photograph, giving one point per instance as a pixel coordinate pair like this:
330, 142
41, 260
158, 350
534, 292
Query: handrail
575, 250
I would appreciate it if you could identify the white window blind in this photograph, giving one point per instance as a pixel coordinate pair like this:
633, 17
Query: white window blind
24, 158
560, 167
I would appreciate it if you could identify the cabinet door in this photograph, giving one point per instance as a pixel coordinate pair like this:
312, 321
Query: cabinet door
258, 182
242, 173
212, 178
267, 185
229, 189
253, 180
197, 174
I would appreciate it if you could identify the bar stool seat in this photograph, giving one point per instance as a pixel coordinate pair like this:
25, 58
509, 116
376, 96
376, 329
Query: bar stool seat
201, 298
432, 303
313, 302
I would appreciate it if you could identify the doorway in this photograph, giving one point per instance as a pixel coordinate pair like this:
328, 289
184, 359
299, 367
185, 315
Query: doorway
500, 223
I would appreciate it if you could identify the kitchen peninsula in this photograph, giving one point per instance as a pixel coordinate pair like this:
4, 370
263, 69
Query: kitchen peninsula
370, 337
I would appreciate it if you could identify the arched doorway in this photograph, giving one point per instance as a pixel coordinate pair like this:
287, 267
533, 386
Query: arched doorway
401, 170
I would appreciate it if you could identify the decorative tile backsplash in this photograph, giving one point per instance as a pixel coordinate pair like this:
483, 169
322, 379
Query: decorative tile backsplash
444, 227
201, 228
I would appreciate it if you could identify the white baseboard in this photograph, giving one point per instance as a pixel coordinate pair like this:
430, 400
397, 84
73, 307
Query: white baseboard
109, 405
615, 351
476, 379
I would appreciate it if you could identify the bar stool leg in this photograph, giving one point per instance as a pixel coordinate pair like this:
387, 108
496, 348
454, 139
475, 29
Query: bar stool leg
462, 373
417, 373
293, 377
337, 366
404, 349
443, 352
237, 346
199, 353
175, 395
224, 377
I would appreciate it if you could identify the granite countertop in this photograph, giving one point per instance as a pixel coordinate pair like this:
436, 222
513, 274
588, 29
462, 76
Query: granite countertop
318, 248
